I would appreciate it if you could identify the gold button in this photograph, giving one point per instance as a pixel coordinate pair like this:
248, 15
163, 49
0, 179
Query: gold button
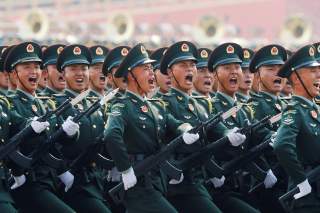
94, 126
144, 126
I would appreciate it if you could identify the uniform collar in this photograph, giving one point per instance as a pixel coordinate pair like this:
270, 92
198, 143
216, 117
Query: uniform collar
269, 95
304, 101
242, 96
26, 95
71, 93
228, 99
180, 95
95, 93
3, 92
135, 96
196, 93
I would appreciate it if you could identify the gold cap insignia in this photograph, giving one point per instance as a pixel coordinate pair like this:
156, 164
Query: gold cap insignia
124, 51
311, 51
246, 54
274, 51
30, 48
230, 49
204, 54
185, 47
76, 51
99, 51
59, 50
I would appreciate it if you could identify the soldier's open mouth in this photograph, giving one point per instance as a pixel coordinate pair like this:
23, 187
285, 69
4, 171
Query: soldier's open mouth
32, 79
277, 81
233, 81
248, 81
189, 78
61, 79
102, 78
150, 81
207, 82
317, 85
79, 80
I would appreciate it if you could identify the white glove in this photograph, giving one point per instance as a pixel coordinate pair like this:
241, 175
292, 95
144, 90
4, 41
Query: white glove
174, 181
217, 182
190, 138
129, 179
18, 181
304, 188
270, 179
70, 127
235, 137
67, 178
38, 126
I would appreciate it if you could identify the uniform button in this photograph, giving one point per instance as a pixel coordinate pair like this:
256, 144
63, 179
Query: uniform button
56, 124
0, 127
94, 126
2, 140
93, 164
79, 123
9, 123
48, 128
144, 126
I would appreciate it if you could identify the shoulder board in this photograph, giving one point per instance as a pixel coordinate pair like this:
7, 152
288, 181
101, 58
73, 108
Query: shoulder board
198, 96
163, 103
5, 100
43, 97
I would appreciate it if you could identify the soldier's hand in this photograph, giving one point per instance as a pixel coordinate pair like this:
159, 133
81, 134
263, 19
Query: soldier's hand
270, 179
18, 181
70, 127
304, 188
67, 178
38, 126
218, 182
174, 181
235, 137
129, 179
190, 138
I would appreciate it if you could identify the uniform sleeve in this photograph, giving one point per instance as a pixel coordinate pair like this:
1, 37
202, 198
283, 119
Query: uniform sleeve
285, 145
113, 137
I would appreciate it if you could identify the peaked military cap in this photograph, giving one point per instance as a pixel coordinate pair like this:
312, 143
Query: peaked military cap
73, 54
157, 55
114, 58
3, 57
138, 55
2, 49
98, 53
317, 52
304, 57
180, 51
51, 53
203, 56
247, 56
23, 52
226, 53
272, 54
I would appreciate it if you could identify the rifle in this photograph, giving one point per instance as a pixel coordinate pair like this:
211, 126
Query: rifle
287, 199
204, 154
142, 167
9, 149
42, 151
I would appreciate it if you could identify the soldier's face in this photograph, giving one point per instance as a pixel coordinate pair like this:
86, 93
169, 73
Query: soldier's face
55, 78
203, 81
269, 81
182, 75
229, 77
43, 79
311, 79
4, 81
77, 77
163, 81
287, 87
28, 75
256, 82
97, 79
12, 80
247, 80
120, 83
145, 77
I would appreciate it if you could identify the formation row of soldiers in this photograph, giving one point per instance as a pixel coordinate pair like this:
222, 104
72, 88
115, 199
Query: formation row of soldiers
161, 96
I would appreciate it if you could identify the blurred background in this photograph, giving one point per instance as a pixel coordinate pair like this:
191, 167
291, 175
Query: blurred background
251, 23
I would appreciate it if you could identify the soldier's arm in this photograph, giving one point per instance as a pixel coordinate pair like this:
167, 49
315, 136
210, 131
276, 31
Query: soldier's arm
113, 137
285, 146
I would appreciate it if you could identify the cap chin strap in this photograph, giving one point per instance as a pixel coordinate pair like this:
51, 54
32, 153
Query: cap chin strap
263, 83
23, 85
114, 82
302, 83
135, 79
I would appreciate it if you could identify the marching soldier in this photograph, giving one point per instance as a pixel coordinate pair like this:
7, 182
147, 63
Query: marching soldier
297, 141
3, 75
245, 85
135, 130
226, 60
179, 62
163, 81
12, 81
86, 193
23, 61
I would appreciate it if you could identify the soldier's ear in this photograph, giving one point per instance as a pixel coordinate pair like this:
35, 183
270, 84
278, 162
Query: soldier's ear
169, 71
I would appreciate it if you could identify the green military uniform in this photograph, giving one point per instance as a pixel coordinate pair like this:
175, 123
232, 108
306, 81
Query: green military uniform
190, 195
317, 56
86, 193
297, 142
42, 179
136, 129
3, 92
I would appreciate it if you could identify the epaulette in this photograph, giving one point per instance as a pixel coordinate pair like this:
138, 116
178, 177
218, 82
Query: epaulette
159, 101
5, 101
43, 97
255, 95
